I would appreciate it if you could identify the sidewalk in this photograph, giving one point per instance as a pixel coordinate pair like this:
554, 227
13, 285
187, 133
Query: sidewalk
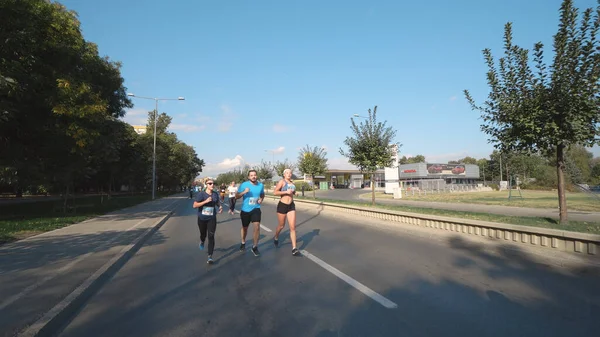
43, 276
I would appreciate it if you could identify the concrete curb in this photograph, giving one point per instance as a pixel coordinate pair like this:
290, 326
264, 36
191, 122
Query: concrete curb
572, 242
56, 318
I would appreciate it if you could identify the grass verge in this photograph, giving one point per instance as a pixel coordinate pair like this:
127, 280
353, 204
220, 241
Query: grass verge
533, 199
574, 226
18, 221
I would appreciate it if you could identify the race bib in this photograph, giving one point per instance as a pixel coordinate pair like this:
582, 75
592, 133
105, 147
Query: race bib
252, 201
208, 210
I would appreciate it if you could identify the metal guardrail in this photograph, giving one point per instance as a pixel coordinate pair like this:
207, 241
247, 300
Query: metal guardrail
575, 242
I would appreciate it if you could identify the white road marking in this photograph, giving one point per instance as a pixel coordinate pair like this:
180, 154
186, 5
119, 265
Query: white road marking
361, 287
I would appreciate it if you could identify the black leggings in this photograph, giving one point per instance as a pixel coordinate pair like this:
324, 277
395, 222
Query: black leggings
209, 226
232, 204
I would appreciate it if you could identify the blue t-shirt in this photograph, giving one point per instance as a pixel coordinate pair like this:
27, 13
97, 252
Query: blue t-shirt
250, 200
209, 210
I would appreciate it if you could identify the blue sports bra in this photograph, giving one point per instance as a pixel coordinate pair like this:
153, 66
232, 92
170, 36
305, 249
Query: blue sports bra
287, 186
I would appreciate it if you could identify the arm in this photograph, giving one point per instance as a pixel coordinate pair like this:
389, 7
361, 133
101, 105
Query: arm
262, 195
200, 203
278, 188
220, 205
240, 193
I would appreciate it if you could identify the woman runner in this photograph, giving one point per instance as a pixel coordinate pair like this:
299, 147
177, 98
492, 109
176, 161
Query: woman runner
206, 201
286, 208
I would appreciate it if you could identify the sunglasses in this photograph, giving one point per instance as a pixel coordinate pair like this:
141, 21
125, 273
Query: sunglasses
209, 183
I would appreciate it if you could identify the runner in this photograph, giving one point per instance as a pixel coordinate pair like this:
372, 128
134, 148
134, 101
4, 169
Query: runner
286, 208
206, 201
232, 190
253, 193
222, 192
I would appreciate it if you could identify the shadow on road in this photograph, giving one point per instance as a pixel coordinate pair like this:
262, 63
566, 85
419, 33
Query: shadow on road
31, 254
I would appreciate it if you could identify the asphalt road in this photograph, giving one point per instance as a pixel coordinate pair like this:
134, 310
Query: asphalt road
412, 284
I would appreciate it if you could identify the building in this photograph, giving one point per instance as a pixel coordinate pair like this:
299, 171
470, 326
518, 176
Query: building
391, 174
437, 176
139, 129
347, 179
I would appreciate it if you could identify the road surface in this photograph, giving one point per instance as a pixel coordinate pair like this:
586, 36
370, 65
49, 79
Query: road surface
355, 279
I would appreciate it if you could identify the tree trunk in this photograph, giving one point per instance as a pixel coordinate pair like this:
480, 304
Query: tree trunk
65, 201
314, 187
373, 189
560, 171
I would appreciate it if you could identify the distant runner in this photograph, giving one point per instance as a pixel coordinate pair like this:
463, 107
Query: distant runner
253, 192
286, 208
232, 190
206, 201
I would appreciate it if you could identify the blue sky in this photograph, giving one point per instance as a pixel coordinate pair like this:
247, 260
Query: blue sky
277, 75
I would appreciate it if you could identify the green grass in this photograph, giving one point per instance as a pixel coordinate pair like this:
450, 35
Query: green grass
574, 226
18, 221
533, 199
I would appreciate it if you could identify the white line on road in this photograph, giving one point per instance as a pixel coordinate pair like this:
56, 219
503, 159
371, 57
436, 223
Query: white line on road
361, 287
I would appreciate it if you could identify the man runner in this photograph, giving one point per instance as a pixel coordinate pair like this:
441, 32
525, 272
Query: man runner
253, 192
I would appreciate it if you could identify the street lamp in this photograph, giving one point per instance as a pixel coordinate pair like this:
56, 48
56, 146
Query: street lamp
155, 122
358, 116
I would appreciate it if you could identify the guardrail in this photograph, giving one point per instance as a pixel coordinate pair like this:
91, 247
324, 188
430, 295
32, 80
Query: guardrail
580, 243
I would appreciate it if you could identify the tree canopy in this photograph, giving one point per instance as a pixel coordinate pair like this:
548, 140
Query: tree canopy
372, 146
60, 109
545, 108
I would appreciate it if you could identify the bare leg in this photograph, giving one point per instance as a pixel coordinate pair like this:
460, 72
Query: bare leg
281, 220
256, 233
291, 216
244, 233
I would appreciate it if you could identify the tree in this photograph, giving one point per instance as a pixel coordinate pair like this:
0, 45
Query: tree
468, 160
372, 146
279, 167
312, 161
412, 160
551, 108
264, 171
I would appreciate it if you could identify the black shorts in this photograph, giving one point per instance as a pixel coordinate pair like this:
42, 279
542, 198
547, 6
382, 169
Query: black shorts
285, 208
252, 216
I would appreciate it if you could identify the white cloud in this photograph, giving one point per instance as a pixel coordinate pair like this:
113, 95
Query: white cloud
453, 98
136, 116
280, 128
186, 127
340, 163
137, 112
279, 150
227, 164
182, 115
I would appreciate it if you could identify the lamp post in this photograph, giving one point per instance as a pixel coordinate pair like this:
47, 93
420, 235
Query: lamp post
155, 122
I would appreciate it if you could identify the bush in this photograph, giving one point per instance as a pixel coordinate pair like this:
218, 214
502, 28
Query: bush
300, 183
